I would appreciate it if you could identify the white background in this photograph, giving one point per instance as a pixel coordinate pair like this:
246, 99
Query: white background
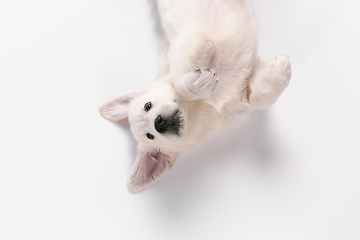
291, 172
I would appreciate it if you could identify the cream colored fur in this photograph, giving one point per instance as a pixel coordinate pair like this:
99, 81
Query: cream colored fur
209, 76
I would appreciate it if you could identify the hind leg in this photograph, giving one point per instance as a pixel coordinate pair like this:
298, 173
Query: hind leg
268, 81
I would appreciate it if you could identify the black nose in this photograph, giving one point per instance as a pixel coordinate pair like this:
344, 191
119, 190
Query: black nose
161, 124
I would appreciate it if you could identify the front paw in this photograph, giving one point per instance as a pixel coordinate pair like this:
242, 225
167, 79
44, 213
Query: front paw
202, 82
278, 72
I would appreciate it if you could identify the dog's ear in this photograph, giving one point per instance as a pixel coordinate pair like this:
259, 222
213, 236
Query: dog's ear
150, 166
118, 108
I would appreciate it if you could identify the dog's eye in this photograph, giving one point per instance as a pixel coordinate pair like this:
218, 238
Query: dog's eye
147, 106
150, 136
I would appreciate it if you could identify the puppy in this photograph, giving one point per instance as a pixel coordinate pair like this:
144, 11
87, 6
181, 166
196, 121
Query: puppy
209, 77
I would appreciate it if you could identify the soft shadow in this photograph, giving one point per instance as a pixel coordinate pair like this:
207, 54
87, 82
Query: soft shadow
156, 18
252, 138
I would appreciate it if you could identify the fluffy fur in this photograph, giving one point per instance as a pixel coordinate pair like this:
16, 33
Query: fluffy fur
209, 76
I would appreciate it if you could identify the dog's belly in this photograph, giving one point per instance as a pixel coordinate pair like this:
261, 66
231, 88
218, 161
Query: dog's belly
229, 24
231, 27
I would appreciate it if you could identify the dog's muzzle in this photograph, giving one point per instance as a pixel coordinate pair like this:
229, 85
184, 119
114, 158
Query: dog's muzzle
168, 124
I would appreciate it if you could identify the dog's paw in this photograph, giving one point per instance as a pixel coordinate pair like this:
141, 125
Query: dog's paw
278, 71
202, 82
268, 86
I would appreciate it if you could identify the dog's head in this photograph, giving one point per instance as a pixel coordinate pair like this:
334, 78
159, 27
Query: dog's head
158, 121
